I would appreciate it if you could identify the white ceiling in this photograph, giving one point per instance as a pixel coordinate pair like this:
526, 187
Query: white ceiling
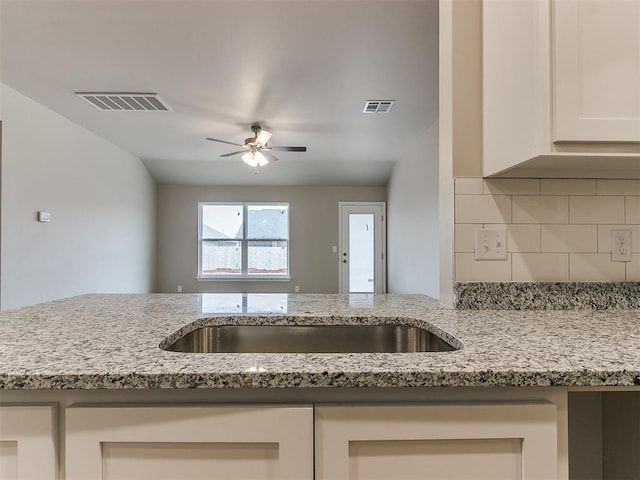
302, 68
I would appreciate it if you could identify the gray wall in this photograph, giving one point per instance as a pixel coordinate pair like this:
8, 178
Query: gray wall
102, 203
313, 230
412, 224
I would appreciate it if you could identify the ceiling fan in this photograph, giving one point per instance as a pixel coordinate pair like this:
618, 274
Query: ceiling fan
255, 149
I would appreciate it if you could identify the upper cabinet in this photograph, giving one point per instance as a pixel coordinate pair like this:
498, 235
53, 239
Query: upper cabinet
596, 70
561, 88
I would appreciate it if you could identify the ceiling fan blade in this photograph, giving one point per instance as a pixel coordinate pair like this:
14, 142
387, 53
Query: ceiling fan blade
233, 153
263, 137
289, 149
224, 141
268, 156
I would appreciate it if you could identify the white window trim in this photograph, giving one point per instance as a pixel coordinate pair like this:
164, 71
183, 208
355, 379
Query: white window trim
244, 277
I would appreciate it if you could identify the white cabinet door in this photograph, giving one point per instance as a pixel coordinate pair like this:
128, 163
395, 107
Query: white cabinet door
28, 443
597, 70
456, 441
561, 88
189, 442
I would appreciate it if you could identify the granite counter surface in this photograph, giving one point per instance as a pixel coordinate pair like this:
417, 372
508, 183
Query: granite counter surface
112, 342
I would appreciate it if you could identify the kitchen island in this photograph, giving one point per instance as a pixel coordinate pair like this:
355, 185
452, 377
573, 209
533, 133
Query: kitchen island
85, 358
112, 342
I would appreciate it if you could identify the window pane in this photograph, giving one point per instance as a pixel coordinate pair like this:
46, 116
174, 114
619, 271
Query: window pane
268, 221
222, 221
221, 257
267, 258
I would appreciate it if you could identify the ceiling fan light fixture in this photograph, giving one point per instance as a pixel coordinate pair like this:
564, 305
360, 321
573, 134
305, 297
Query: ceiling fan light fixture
255, 159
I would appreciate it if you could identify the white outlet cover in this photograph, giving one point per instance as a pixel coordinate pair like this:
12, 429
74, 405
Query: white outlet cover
620, 245
491, 244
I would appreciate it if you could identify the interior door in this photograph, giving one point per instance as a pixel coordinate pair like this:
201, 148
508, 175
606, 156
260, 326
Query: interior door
362, 247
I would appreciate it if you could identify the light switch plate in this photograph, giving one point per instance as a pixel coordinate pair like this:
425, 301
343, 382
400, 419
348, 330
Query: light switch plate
491, 244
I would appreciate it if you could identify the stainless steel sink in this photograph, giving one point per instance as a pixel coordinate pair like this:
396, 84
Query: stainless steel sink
309, 339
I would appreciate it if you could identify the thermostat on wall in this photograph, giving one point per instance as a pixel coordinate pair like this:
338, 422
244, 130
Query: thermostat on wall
44, 217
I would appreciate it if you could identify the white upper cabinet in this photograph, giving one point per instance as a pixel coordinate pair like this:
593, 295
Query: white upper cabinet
561, 88
597, 70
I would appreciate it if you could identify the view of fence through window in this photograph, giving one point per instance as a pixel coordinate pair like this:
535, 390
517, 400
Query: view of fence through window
244, 239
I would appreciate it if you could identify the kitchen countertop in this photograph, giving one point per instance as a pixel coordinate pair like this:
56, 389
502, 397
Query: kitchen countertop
110, 341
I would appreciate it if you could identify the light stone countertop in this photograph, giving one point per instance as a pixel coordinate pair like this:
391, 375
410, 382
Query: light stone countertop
111, 342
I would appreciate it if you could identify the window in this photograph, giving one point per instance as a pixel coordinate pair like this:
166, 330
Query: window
243, 240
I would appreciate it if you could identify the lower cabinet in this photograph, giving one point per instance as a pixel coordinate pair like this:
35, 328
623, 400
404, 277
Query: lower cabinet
500, 441
211, 442
28, 442
353, 442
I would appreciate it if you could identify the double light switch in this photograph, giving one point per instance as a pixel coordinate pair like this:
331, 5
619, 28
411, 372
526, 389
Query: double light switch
491, 244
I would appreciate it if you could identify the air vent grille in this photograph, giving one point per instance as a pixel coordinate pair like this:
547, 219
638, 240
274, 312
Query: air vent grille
378, 106
125, 102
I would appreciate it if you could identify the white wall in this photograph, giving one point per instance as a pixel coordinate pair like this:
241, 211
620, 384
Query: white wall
313, 223
102, 202
412, 220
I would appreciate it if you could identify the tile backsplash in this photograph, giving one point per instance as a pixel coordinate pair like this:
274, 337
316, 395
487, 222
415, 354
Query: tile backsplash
558, 230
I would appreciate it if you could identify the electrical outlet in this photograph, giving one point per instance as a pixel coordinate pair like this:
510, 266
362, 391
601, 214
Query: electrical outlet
620, 245
296, 289
491, 244
179, 288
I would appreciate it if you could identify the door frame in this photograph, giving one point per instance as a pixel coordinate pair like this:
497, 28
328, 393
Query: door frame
380, 239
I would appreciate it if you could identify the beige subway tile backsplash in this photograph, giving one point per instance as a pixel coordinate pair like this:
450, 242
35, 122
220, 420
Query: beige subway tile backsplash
483, 209
540, 267
469, 186
567, 186
470, 270
618, 187
558, 229
570, 238
512, 186
540, 209
632, 210
595, 210
595, 267
465, 236
633, 268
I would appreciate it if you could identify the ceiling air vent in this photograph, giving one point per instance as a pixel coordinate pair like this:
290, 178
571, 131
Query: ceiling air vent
378, 106
125, 102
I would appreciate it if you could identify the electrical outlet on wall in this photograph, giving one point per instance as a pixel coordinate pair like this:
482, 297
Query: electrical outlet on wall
620, 245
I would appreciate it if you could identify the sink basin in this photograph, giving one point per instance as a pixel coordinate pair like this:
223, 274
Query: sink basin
309, 339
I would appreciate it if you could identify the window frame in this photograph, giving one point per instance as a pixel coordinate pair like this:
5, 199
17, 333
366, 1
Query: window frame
244, 241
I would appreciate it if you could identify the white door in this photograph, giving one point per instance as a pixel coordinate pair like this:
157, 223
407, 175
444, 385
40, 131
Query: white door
362, 247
